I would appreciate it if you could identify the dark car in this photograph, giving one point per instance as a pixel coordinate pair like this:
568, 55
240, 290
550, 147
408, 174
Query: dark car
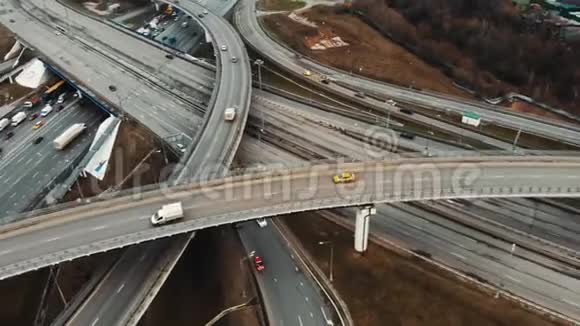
406, 111
325, 81
408, 135
38, 140
9, 135
59, 108
169, 56
112, 88
33, 116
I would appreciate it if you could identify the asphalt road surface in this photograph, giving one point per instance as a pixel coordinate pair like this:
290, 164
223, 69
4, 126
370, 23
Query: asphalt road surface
247, 23
26, 168
523, 273
288, 293
101, 226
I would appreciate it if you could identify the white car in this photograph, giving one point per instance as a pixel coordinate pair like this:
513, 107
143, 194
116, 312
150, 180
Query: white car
224, 48
46, 111
262, 222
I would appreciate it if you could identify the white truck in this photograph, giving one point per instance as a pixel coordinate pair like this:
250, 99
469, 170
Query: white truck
18, 118
4, 123
68, 135
230, 114
167, 213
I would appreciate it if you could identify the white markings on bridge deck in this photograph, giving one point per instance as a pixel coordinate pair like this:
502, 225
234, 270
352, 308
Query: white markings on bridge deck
120, 287
95, 321
458, 255
53, 239
300, 321
100, 227
7, 251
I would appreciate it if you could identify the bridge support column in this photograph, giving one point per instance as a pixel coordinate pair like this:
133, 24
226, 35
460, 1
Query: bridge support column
361, 229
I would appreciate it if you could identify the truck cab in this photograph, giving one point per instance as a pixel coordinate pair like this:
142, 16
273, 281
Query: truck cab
167, 213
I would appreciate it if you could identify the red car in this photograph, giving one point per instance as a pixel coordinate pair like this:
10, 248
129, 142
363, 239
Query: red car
33, 116
259, 263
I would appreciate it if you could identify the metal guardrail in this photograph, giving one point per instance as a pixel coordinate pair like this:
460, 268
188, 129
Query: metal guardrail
456, 191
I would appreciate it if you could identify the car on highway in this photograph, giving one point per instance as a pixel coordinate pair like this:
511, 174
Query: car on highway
259, 263
9, 135
224, 47
205, 12
33, 116
307, 73
200, 15
184, 24
38, 124
59, 108
37, 140
112, 88
234, 59
262, 222
406, 111
408, 135
46, 110
344, 177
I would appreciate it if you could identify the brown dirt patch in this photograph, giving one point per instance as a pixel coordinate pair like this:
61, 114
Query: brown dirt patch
378, 57
6, 40
386, 288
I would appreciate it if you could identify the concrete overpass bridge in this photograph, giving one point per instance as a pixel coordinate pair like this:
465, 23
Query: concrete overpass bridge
64, 233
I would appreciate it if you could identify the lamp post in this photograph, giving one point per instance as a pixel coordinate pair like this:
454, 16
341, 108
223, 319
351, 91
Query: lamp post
331, 259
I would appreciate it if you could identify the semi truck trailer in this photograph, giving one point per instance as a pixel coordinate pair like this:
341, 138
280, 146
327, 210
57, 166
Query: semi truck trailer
68, 135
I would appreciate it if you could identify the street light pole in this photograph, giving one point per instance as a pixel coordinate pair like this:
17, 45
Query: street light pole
331, 259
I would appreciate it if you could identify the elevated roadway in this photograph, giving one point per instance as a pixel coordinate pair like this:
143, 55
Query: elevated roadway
245, 18
218, 143
70, 233
152, 104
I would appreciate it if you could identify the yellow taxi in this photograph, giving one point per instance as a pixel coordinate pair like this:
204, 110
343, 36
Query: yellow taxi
38, 125
344, 177
307, 73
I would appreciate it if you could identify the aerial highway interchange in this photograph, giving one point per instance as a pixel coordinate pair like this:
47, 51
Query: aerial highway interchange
183, 104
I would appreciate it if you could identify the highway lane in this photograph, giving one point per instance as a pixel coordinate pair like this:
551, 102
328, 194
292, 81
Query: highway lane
70, 233
233, 91
290, 297
246, 21
469, 250
556, 226
123, 287
183, 77
332, 135
29, 168
147, 103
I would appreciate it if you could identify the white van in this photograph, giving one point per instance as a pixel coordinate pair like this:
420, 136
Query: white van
167, 213
46, 110
4, 123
